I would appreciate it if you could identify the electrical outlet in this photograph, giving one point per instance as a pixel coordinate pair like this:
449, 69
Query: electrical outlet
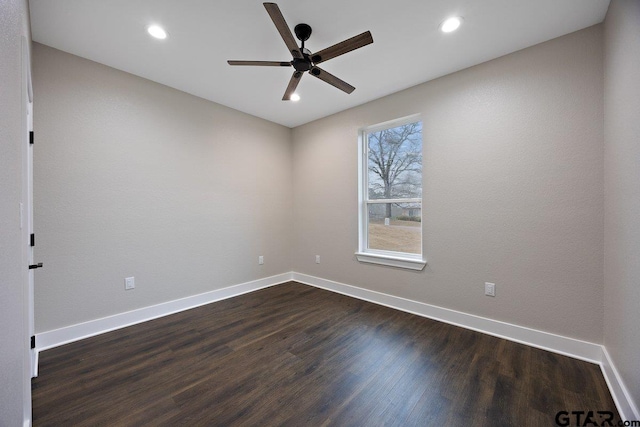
317, 259
490, 289
261, 260
129, 283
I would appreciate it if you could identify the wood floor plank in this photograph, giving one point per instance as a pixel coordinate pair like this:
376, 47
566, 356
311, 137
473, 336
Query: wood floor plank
297, 355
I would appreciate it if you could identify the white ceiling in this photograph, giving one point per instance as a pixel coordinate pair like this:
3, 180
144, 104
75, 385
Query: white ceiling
408, 47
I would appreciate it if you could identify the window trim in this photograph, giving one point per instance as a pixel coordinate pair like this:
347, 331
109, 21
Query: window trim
378, 256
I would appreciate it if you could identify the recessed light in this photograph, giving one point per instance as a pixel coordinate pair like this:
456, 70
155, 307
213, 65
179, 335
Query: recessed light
157, 32
295, 97
451, 24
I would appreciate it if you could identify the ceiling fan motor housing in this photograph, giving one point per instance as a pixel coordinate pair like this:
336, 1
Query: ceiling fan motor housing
301, 64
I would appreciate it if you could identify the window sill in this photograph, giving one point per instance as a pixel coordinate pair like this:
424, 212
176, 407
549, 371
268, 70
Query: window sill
392, 261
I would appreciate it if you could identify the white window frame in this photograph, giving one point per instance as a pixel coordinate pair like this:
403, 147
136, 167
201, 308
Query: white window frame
378, 256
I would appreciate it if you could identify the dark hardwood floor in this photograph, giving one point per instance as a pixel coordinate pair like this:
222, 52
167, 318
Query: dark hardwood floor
300, 356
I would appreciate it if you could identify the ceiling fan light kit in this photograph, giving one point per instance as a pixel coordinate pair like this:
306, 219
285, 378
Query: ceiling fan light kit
303, 60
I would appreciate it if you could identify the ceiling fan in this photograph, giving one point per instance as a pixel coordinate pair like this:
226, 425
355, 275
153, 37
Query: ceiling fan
303, 59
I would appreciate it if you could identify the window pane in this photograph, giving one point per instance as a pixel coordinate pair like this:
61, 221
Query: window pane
395, 227
395, 162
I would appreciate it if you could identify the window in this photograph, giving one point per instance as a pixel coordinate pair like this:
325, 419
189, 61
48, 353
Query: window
390, 205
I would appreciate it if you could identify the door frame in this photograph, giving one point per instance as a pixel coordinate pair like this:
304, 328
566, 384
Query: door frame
33, 353
26, 224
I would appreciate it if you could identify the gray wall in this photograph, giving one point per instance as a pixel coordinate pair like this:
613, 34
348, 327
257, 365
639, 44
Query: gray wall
513, 189
622, 190
14, 375
133, 178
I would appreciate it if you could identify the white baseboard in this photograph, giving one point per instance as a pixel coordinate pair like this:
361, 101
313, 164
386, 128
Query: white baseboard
35, 356
578, 349
58, 337
583, 350
626, 407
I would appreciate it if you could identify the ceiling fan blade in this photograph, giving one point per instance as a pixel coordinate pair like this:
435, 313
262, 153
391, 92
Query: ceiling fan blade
285, 32
343, 47
293, 84
261, 63
331, 79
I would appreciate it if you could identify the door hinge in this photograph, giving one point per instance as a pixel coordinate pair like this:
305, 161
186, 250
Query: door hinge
33, 341
31, 137
32, 242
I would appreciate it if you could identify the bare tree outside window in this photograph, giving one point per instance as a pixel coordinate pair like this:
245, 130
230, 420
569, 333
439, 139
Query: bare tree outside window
395, 163
393, 196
